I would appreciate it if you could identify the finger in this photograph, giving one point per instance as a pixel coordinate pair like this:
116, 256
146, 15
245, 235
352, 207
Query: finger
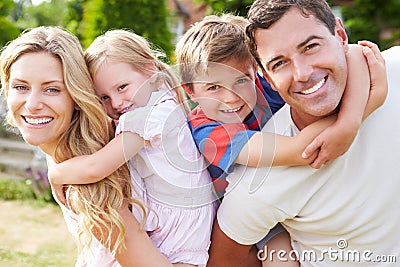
313, 147
316, 164
374, 47
370, 56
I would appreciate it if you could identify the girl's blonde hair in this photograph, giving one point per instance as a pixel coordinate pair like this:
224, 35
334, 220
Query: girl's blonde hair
128, 47
96, 204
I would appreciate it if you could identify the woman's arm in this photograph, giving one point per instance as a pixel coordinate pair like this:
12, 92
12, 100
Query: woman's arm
92, 168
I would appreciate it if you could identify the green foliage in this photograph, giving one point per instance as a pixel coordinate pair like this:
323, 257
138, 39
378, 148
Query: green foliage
375, 20
8, 30
238, 7
145, 17
15, 190
21, 190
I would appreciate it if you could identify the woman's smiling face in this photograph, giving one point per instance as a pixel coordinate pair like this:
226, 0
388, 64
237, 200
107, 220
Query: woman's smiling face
38, 100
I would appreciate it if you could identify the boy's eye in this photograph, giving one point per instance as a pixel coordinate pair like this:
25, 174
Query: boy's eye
213, 87
242, 80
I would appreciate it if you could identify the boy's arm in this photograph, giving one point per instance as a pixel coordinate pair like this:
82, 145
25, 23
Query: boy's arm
357, 103
88, 169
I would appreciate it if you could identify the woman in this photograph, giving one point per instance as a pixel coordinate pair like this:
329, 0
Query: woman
50, 99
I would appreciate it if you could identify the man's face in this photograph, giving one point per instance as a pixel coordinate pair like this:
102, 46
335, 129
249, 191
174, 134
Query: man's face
305, 63
227, 92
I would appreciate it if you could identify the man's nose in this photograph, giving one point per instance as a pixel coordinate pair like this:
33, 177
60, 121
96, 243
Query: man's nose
301, 69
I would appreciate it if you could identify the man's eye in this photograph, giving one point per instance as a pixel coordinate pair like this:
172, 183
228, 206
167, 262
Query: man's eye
310, 46
277, 65
242, 80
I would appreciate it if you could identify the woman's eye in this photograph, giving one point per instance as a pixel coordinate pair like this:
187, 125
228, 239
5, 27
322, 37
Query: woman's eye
20, 87
53, 90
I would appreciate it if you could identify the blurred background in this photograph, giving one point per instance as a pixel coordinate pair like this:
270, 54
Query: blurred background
23, 176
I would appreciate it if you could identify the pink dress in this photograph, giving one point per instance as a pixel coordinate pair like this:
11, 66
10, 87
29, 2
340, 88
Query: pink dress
171, 177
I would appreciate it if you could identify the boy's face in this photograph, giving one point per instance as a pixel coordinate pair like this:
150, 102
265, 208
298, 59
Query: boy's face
226, 93
308, 66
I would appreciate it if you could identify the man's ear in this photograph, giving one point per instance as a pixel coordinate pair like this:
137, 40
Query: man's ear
341, 33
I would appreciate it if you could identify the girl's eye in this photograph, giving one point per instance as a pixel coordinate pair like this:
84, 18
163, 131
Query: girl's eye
213, 87
122, 87
104, 98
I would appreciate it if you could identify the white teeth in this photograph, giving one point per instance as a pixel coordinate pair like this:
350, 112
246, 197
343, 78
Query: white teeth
38, 121
314, 88
232, 110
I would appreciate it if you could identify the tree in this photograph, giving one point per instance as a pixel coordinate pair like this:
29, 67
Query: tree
375, 20
237, 7
8, 30
145, 17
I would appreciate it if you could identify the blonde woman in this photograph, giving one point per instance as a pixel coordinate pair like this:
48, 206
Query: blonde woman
50, 99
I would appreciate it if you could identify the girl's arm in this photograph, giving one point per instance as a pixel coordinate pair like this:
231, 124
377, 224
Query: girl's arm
93, 168
266, 149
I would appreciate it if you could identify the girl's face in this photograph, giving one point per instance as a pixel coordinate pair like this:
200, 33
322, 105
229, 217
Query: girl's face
38, 100
121, 88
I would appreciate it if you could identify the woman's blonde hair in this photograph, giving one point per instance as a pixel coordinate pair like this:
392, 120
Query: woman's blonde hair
128, 47
90, 129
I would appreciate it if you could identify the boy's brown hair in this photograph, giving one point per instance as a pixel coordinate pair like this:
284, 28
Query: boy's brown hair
215, 39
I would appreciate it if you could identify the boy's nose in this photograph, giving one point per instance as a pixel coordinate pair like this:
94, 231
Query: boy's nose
229, 95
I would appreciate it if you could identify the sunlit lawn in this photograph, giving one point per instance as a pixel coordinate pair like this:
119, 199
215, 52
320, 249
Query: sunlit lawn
34, 234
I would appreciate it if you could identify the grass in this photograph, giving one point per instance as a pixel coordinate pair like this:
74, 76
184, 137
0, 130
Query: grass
32, 232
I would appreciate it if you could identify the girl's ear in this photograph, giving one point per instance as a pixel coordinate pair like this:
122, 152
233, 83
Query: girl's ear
188, 90
77, 107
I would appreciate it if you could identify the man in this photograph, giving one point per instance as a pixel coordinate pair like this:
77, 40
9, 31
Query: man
346, 213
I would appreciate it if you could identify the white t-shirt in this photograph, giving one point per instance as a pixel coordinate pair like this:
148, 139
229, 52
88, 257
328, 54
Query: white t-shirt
346, 213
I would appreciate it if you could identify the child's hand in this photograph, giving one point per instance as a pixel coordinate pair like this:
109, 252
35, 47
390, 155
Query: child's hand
333, 142
378, 77
58, 189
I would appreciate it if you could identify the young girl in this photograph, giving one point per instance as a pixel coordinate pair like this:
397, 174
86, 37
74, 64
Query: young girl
166, 168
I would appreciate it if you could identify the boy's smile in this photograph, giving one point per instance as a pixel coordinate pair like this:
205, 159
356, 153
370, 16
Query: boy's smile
226, 92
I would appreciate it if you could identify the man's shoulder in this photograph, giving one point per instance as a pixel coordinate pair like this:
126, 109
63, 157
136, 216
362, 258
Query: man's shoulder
281, 123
